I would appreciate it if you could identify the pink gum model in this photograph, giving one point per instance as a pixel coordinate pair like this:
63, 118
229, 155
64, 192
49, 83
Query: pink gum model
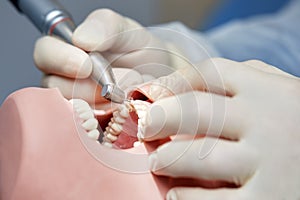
45, 154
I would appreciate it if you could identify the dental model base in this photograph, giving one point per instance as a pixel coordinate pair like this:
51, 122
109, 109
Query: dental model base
48, 150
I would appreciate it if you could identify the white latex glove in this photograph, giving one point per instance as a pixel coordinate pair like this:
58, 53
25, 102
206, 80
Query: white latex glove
120, 40
252, 135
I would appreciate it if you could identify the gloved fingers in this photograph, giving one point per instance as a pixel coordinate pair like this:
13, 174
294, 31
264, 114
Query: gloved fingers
216, 75
175, 83
183, 193
193, 113
225, 160
105, 30
85, 89
262, 66
53, 56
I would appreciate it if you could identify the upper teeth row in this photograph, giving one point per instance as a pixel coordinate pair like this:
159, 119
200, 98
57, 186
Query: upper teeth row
85, 112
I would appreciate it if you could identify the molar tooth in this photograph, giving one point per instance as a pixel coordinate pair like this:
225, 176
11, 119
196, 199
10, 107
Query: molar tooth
112, 131
105, 133
116, 113
119, 120
121, 107
80, 105
107, 144
111, 137
90, 124
117, 127
124, 112
87, 115
94, 134
105, 139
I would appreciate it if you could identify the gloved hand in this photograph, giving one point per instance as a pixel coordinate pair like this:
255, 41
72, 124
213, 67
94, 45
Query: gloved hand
241, 128
121, 40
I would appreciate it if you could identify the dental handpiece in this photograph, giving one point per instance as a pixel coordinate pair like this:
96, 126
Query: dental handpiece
52, 19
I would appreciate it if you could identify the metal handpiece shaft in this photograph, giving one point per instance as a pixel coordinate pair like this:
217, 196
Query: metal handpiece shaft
52, 19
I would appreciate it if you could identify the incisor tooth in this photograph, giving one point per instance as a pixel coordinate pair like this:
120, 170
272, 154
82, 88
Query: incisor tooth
94, 134
90, 124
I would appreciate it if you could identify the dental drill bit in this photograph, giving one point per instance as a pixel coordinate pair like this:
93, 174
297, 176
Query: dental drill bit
52, 19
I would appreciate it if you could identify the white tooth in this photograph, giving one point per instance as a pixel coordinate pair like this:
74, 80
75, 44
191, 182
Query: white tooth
90, 124
94, 134
116, 113
121, 107
120, 120
104, 139
107, 144
112, 137
136, 144
105, 133
80, 105
124, 112
87, 115
117, 127
82, 109
112, 131
117, 118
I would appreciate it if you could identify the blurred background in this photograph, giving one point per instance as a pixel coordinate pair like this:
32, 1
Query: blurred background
18, 35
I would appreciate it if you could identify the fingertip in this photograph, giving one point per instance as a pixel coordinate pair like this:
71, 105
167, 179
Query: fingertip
89, 35
97, 31
53, 56
85, 68
154, 123
41, 48
172, 195
152, 161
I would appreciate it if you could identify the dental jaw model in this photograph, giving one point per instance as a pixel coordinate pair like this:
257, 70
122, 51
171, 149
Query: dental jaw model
49, 150
127, 121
